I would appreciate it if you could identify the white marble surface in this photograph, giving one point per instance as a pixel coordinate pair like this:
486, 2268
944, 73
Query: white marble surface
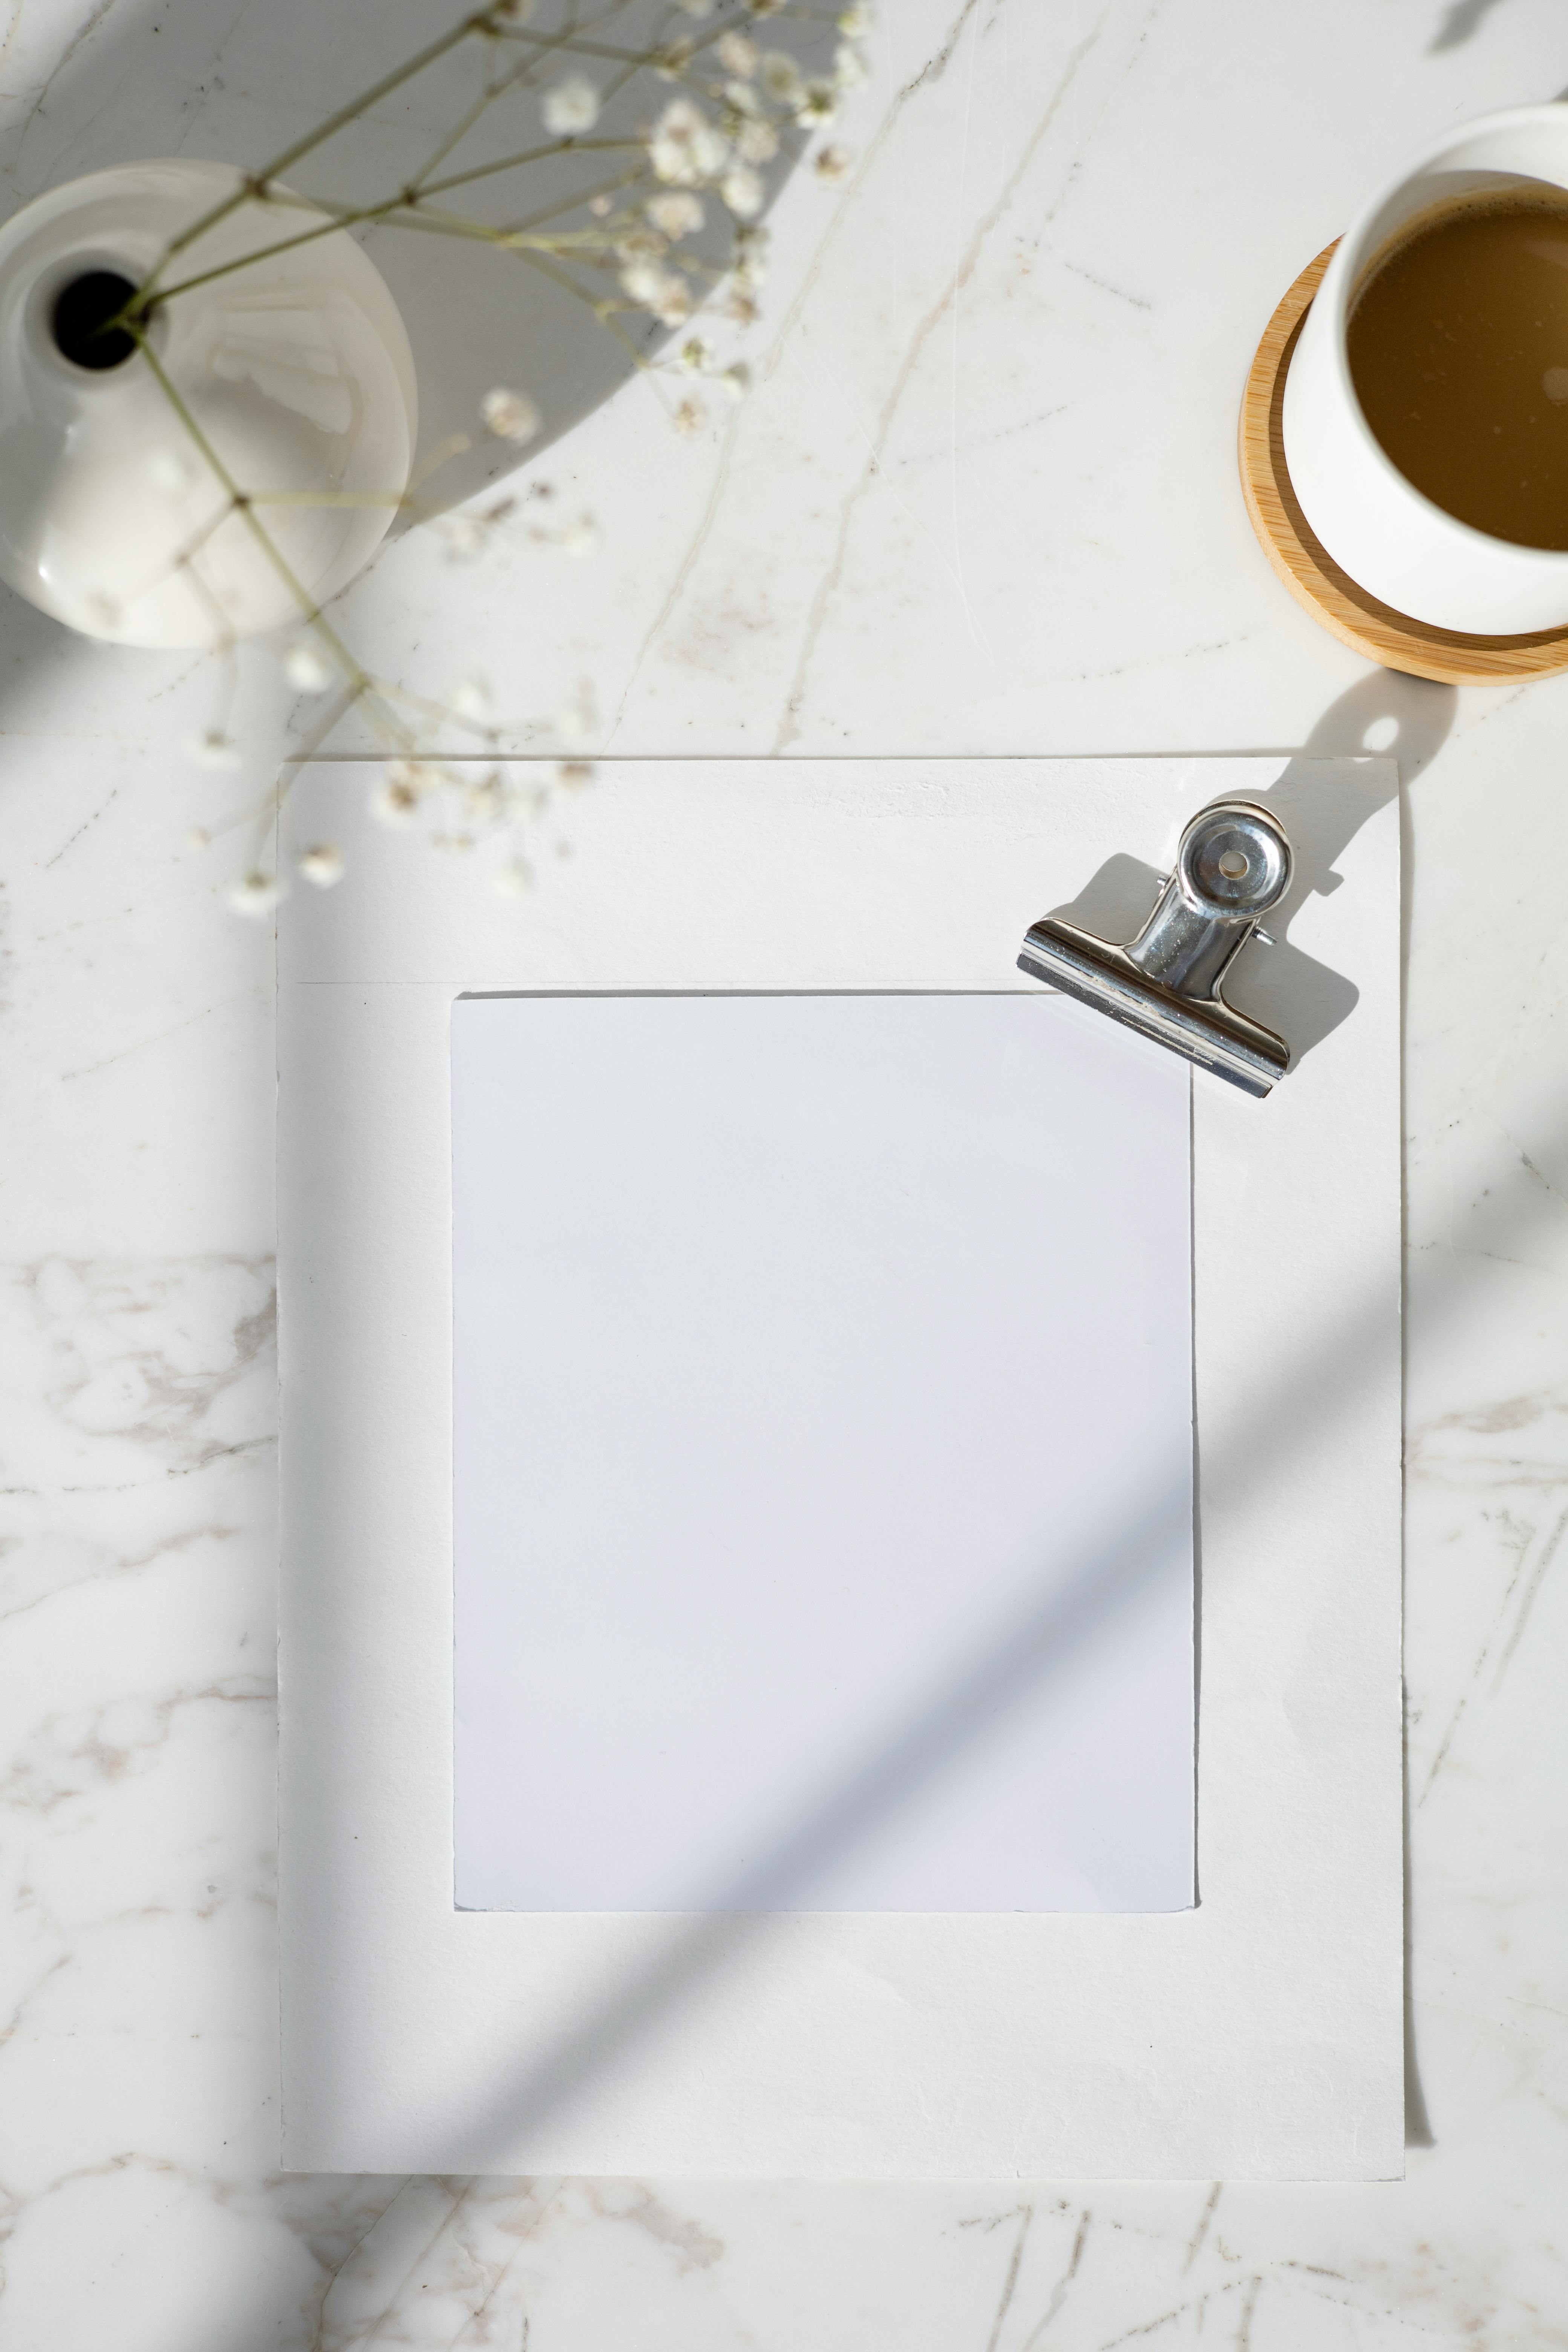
982, 500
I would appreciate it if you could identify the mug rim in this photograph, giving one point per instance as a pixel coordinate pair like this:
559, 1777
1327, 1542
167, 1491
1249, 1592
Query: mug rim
1548, 113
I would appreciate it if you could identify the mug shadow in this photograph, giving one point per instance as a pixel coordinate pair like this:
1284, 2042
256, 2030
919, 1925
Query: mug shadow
1461, 22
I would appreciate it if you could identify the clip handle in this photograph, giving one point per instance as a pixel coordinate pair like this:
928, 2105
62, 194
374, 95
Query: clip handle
1232, 865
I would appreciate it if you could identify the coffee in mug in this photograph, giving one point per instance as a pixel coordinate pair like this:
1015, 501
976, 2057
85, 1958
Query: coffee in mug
1458, 342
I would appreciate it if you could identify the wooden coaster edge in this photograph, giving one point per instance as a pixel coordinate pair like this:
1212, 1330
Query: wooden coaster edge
1303, 565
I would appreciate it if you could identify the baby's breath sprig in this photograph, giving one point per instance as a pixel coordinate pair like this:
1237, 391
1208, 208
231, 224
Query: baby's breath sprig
668, 231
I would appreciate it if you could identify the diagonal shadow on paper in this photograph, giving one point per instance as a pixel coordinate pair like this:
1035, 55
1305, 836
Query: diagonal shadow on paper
612, 2032
1020, 1667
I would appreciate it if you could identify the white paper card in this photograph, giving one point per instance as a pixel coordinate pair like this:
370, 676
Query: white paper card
1256, 2034
799, 1344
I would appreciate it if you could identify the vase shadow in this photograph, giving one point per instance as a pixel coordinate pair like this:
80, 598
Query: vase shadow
190, 77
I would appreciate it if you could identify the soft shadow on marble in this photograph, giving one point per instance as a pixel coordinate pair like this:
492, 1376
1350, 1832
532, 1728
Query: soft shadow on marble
984, 502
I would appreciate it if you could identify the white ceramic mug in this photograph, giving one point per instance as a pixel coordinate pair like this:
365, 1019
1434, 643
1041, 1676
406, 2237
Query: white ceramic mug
1391, 538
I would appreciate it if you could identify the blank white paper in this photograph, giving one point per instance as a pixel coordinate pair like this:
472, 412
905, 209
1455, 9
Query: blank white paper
801, 1345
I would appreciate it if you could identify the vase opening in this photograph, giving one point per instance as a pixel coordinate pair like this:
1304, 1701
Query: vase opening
81, 312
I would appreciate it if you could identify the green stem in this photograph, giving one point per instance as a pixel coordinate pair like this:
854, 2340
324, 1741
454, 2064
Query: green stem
572, 144
601, 311
309, 610
284, 781
466, 122
265, 253
253, 186
571, 204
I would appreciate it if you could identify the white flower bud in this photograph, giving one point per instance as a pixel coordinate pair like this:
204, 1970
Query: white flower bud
396, 800
306, 668
675, 214
571, 105
685, 149
395, 805
323, 865
464, 534
781, 77
254, 894
510, 415
663, 291
213, 749
756, 143
742, 191
750, 256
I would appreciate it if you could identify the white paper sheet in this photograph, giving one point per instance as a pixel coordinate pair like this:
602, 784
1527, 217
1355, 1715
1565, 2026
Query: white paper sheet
1257, 2034
799, 1344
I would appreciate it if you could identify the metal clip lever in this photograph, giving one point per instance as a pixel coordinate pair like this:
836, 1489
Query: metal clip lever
1232, 864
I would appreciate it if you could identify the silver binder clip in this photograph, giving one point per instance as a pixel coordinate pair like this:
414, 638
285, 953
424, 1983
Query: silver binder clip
1232, 864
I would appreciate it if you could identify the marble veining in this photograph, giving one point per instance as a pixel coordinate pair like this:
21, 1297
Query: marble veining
982, 501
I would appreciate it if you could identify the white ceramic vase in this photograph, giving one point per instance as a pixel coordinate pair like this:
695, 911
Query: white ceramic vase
295, 371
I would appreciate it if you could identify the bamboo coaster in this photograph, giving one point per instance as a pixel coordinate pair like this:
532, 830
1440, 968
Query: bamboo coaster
1309, 571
